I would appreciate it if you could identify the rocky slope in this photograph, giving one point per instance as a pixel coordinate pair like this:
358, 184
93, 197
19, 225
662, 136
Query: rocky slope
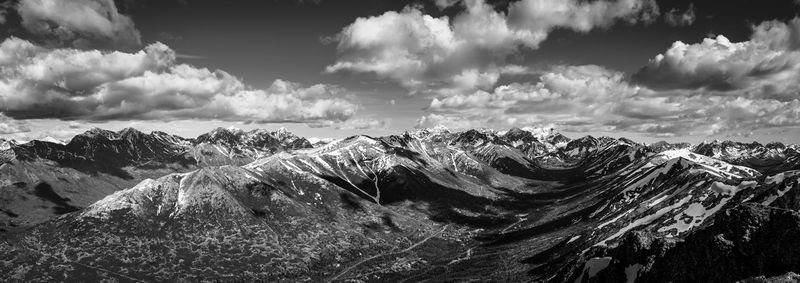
43, 179
768, 158
435, 205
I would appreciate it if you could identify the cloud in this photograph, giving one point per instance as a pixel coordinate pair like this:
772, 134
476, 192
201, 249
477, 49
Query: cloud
4, 8
592, 98
676, 18
78, 22
11, 126
468, 51
455, 122
766, 66
361, 123
364, 124
39, 82
443, 4
566, 95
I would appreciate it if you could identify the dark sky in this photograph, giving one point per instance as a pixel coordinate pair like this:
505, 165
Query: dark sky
261, 40
257, 40
626, 47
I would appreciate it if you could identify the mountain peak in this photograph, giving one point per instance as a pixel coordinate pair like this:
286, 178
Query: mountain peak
709, 164
282, 130
130, 134
203, 191
7, 143
282, 133
52, 140
438, 129
220, 136
233, 129
475, 137
540, 131
257, 138
437, 132
545, 134
98, 132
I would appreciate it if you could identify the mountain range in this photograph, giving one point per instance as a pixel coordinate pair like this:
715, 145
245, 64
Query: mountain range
432, 205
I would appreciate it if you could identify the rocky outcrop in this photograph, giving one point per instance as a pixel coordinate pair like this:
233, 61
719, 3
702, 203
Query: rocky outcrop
746, 241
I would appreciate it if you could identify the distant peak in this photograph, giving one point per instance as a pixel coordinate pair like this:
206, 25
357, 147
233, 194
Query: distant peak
543, 134
440, 128
282, 132
223, 130
130, 131
7, 143
436, 130
52, 140
98, 132
233, 129
539, 130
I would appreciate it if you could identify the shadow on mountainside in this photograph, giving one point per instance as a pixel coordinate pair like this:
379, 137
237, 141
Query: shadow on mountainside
45, 191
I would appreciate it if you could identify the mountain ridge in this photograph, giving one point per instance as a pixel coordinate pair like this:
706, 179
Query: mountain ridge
496, 205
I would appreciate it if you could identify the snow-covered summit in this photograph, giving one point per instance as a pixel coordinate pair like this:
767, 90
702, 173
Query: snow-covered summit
52, 140
712, 165
7, 143
438, 130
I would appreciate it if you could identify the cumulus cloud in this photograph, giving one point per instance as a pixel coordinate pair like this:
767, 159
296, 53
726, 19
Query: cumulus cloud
364, 124
4, 8
675, 18
361, 123
39, 82
455, 122
78, 22
592, 98
566, 95
11, 126
715, 86
766, 66
455, 55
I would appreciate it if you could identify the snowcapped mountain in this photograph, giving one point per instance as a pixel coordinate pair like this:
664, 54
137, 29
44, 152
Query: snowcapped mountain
52, 140
43, 178
524, 204
770, 158
7, 143
663, 146
224, 146
259, 138
317, 142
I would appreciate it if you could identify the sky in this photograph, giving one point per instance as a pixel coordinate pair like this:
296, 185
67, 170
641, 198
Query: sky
644, 69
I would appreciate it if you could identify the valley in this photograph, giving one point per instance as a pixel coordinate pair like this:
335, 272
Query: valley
431, 205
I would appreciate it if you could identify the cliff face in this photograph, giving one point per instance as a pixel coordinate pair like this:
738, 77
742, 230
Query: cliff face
748, 240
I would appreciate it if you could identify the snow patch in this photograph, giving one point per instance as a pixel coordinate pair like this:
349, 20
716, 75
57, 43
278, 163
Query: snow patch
604, 224
53, 140
632, 272
645, 220
711, 165
593, 266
